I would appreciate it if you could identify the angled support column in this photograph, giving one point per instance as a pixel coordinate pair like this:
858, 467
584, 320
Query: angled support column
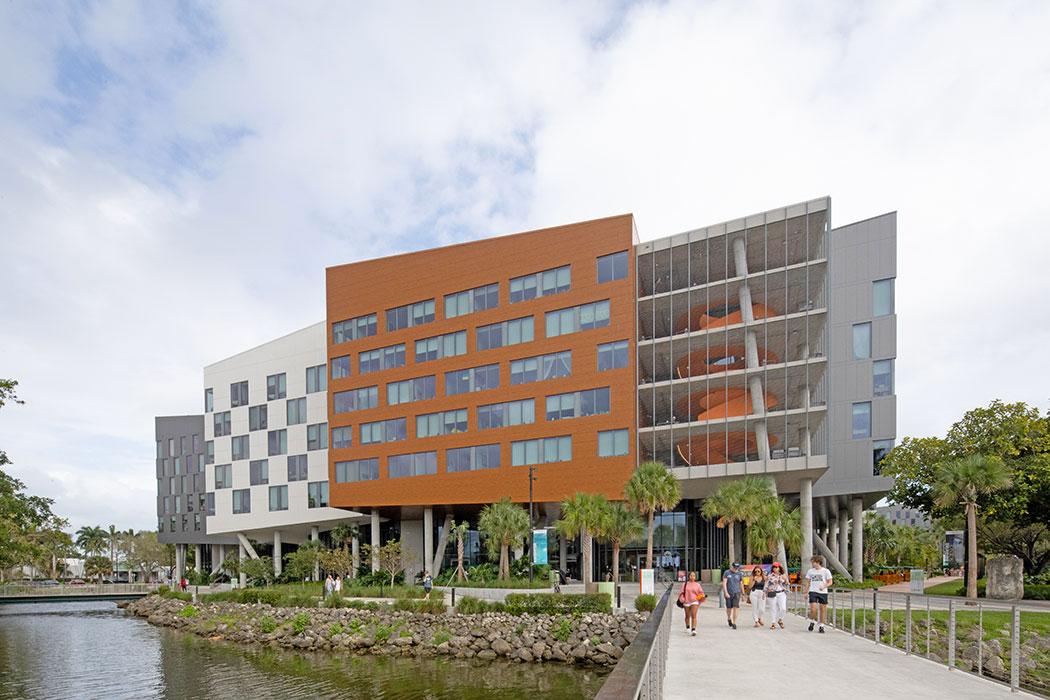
247, 545
858, 539
832, 559
439, 553
758, 396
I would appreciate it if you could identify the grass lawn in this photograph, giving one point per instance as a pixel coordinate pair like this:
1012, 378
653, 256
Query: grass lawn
510, 583
950, 588
349, 590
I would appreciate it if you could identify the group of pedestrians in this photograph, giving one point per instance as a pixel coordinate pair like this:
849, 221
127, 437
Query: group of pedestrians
333, 586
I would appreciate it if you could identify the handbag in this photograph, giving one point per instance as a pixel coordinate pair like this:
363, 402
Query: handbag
681, 598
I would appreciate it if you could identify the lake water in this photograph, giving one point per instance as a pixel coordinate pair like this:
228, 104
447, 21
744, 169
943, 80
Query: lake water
94, 650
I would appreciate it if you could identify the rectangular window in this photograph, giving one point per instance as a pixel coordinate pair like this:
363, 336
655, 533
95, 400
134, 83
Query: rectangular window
173, 484
477, 299
410, 315
210, 503
882, 377
577, 404
239, 447
316, 379
578, 318
540, 284
381, 358
209, 452
415, 464
417, 389
317, 436
447, 345
317, 494
612, 443
466, 459
342, 437
612, 267
277, 442
542, 367
880, 448
200, 463
276, 386
160, 449
340, 367
278, 498
612, 355
497, 335
259, 472
242, 501
209, 400
862, 420
196, 442
297, 468
542, 451
178, 464
238, 394
442, 423
296, 411
882, 298
355, 399
391, 430
182, 445
171, 447
861, 341
464, 381
223, 476
222, 423
499, 415
257, 417
357, 470
354, 328
178, 504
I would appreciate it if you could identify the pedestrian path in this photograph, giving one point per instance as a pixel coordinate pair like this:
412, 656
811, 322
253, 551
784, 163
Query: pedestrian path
792, 663
906, 586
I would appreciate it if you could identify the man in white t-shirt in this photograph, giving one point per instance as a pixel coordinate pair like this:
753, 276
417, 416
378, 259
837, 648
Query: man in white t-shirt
818, 581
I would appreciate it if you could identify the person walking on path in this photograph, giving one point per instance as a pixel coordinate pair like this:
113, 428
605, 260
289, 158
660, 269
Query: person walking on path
818, 580
329, 585
732, 585
337, 585
428, 584
691, 597
758, 595
776, 593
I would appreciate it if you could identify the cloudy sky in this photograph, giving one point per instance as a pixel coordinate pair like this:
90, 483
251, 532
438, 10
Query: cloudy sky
174, 177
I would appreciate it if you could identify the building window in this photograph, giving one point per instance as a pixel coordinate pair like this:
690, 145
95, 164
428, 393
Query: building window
239, 447
210, 503
166, 508
355, 399
357, 470
882, 377
296, 411
447, 345
498, 335
354, 328
612, 443
257, 417
317, 436
442, 423
297, 468
383, 431
277, 442
342, 437
178, 464
477, 299
278, 498
465, 459
577, 404
410, 315
276, 386
612, 267
612, 355
209, 400
178, 504
317, 494
316, 379
182, 445
542, 451
415, 464
222, 423
238, 394
223, 476
340, 367
861, 341
196, 442
499, 415
173, 485
880, 448
417, 389
862, 420
381, 358
540, 284
200, 463
259, 472
464, 381
242, 501
882, 298
578, 318
160, 449
209, 452
171, 447
543, 367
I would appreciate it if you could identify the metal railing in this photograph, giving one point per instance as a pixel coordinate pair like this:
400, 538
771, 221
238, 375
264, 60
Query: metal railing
19, 589
639, 674
998, 640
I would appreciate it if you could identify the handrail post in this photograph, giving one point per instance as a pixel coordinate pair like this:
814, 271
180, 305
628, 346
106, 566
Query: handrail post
852, 615
907, 623
951, 634
1015, 650
875, 605
980, 638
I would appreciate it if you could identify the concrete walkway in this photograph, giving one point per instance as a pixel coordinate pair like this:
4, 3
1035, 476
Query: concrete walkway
792, 663
933, 581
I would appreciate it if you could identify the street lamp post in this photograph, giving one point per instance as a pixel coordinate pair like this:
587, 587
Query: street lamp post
532, 538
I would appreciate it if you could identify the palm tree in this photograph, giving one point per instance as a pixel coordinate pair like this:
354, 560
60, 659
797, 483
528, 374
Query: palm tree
878, 537
772, 523
459, 530
504, 524
735, 502
584, 514
651, 488
349, 532
964, 481
113, 535
92, 541
622, 526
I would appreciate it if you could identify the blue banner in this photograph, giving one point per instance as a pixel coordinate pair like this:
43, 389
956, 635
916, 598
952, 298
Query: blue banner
539, 546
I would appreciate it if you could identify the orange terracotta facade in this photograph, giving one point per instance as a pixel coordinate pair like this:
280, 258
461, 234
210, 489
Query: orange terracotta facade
374, 286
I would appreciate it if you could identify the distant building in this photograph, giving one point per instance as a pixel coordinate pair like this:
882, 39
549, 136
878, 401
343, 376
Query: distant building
899, 515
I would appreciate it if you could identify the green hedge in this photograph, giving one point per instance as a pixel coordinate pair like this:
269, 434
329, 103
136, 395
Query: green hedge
558, 603
646, 602
165, 592
1037, 592
434, 607
262, 595
472, 606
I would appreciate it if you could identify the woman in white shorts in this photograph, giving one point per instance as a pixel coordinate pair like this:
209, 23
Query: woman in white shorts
776, 594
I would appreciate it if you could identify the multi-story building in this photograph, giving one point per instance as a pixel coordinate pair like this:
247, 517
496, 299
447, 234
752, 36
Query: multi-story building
900, 515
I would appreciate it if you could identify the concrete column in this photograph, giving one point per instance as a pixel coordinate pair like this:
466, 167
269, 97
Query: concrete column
355, 555
428, 538
315, 535
563, 552
806, 507
858, 539
740, 256
180, 562
832, 536
198, 558
243, 553
843, 552
375, 540
277, 554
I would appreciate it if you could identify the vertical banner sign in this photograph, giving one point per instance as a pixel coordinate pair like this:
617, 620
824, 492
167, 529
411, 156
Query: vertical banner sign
649, 581
539, 546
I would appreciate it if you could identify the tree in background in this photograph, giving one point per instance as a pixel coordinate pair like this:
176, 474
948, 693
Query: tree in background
92, 540
652, 488
300, 564
344, 533
772, 522
584, 515
97, 566
147, 553
735, 502
258, 571
391, 557
503, 525
460, 530
622, 525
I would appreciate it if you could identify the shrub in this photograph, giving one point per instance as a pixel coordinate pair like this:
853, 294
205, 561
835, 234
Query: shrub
563, 630
383, 633
189, 611
1042, 579
298, 600
221, 597
176, 595
404, 634
354, 626
267, 624
441, 636
334, 629
434, 607
300, 622
1037, 592
646, 602
558, 603
474, 606
161, 590
377, 578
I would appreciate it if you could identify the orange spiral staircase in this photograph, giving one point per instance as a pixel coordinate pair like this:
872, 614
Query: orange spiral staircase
716, 316
715, 360
719, 448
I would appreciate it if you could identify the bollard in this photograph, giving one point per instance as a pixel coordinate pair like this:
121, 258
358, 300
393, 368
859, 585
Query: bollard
951, 634
453, 596
1015, 650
